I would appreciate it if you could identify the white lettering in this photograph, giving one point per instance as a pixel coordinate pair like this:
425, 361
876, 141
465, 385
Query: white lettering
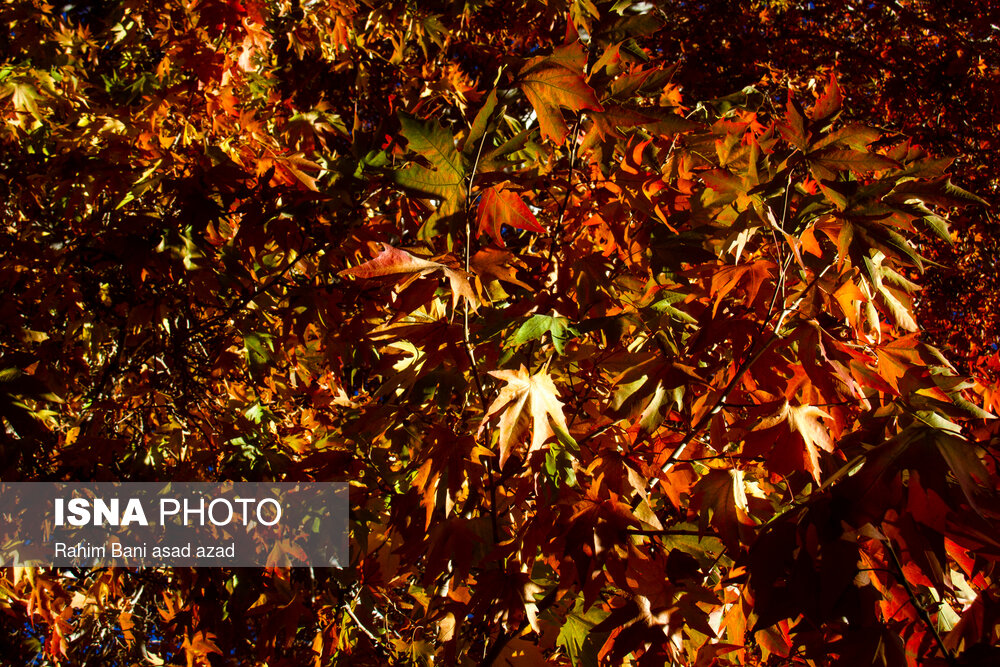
164, 512
105, 513
211, 516
79, 510
246, 513
199, 511
134, 513
277, 512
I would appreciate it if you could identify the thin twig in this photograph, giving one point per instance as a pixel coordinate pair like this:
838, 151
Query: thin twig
784, 263
921, 610
490, 482
668, 532
468, 259
368, 633
557, 230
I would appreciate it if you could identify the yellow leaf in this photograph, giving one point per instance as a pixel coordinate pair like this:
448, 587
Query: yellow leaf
805, 420
534, 396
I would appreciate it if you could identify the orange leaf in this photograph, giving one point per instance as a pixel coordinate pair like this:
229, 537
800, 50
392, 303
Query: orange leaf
550, 87
499, 206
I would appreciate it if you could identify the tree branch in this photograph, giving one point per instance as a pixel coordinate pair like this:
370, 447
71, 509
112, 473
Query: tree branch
738, 376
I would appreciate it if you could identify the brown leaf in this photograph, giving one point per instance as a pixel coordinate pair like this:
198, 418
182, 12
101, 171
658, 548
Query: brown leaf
493, 264
721, 492
830, 102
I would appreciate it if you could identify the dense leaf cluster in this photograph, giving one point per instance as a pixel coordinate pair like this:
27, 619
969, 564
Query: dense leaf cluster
617, 373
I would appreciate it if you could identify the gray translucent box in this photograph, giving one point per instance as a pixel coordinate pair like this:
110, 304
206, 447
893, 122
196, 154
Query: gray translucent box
154, 524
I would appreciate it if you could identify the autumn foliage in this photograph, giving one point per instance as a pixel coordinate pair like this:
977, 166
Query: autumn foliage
618, 374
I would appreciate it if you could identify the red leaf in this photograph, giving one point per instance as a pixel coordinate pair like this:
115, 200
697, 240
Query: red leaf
389, 261
830, 102
395, 261
499, 206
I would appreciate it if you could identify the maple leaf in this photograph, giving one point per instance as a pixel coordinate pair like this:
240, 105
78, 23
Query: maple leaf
575, 635
532, 396
804, 419
500, 206
830, 102
794, 128
395, 261
25, 98
606, 123
721, 493
551, 86
788, 454
198, 647
444, 178
832, 160
493, 264
391, 260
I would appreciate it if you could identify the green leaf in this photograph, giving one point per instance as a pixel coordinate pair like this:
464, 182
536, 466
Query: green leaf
533, 329
665, 305
259, 350
938, 191
479, 125
445, 177
538, 325
575, 635
493, 159
559, 466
